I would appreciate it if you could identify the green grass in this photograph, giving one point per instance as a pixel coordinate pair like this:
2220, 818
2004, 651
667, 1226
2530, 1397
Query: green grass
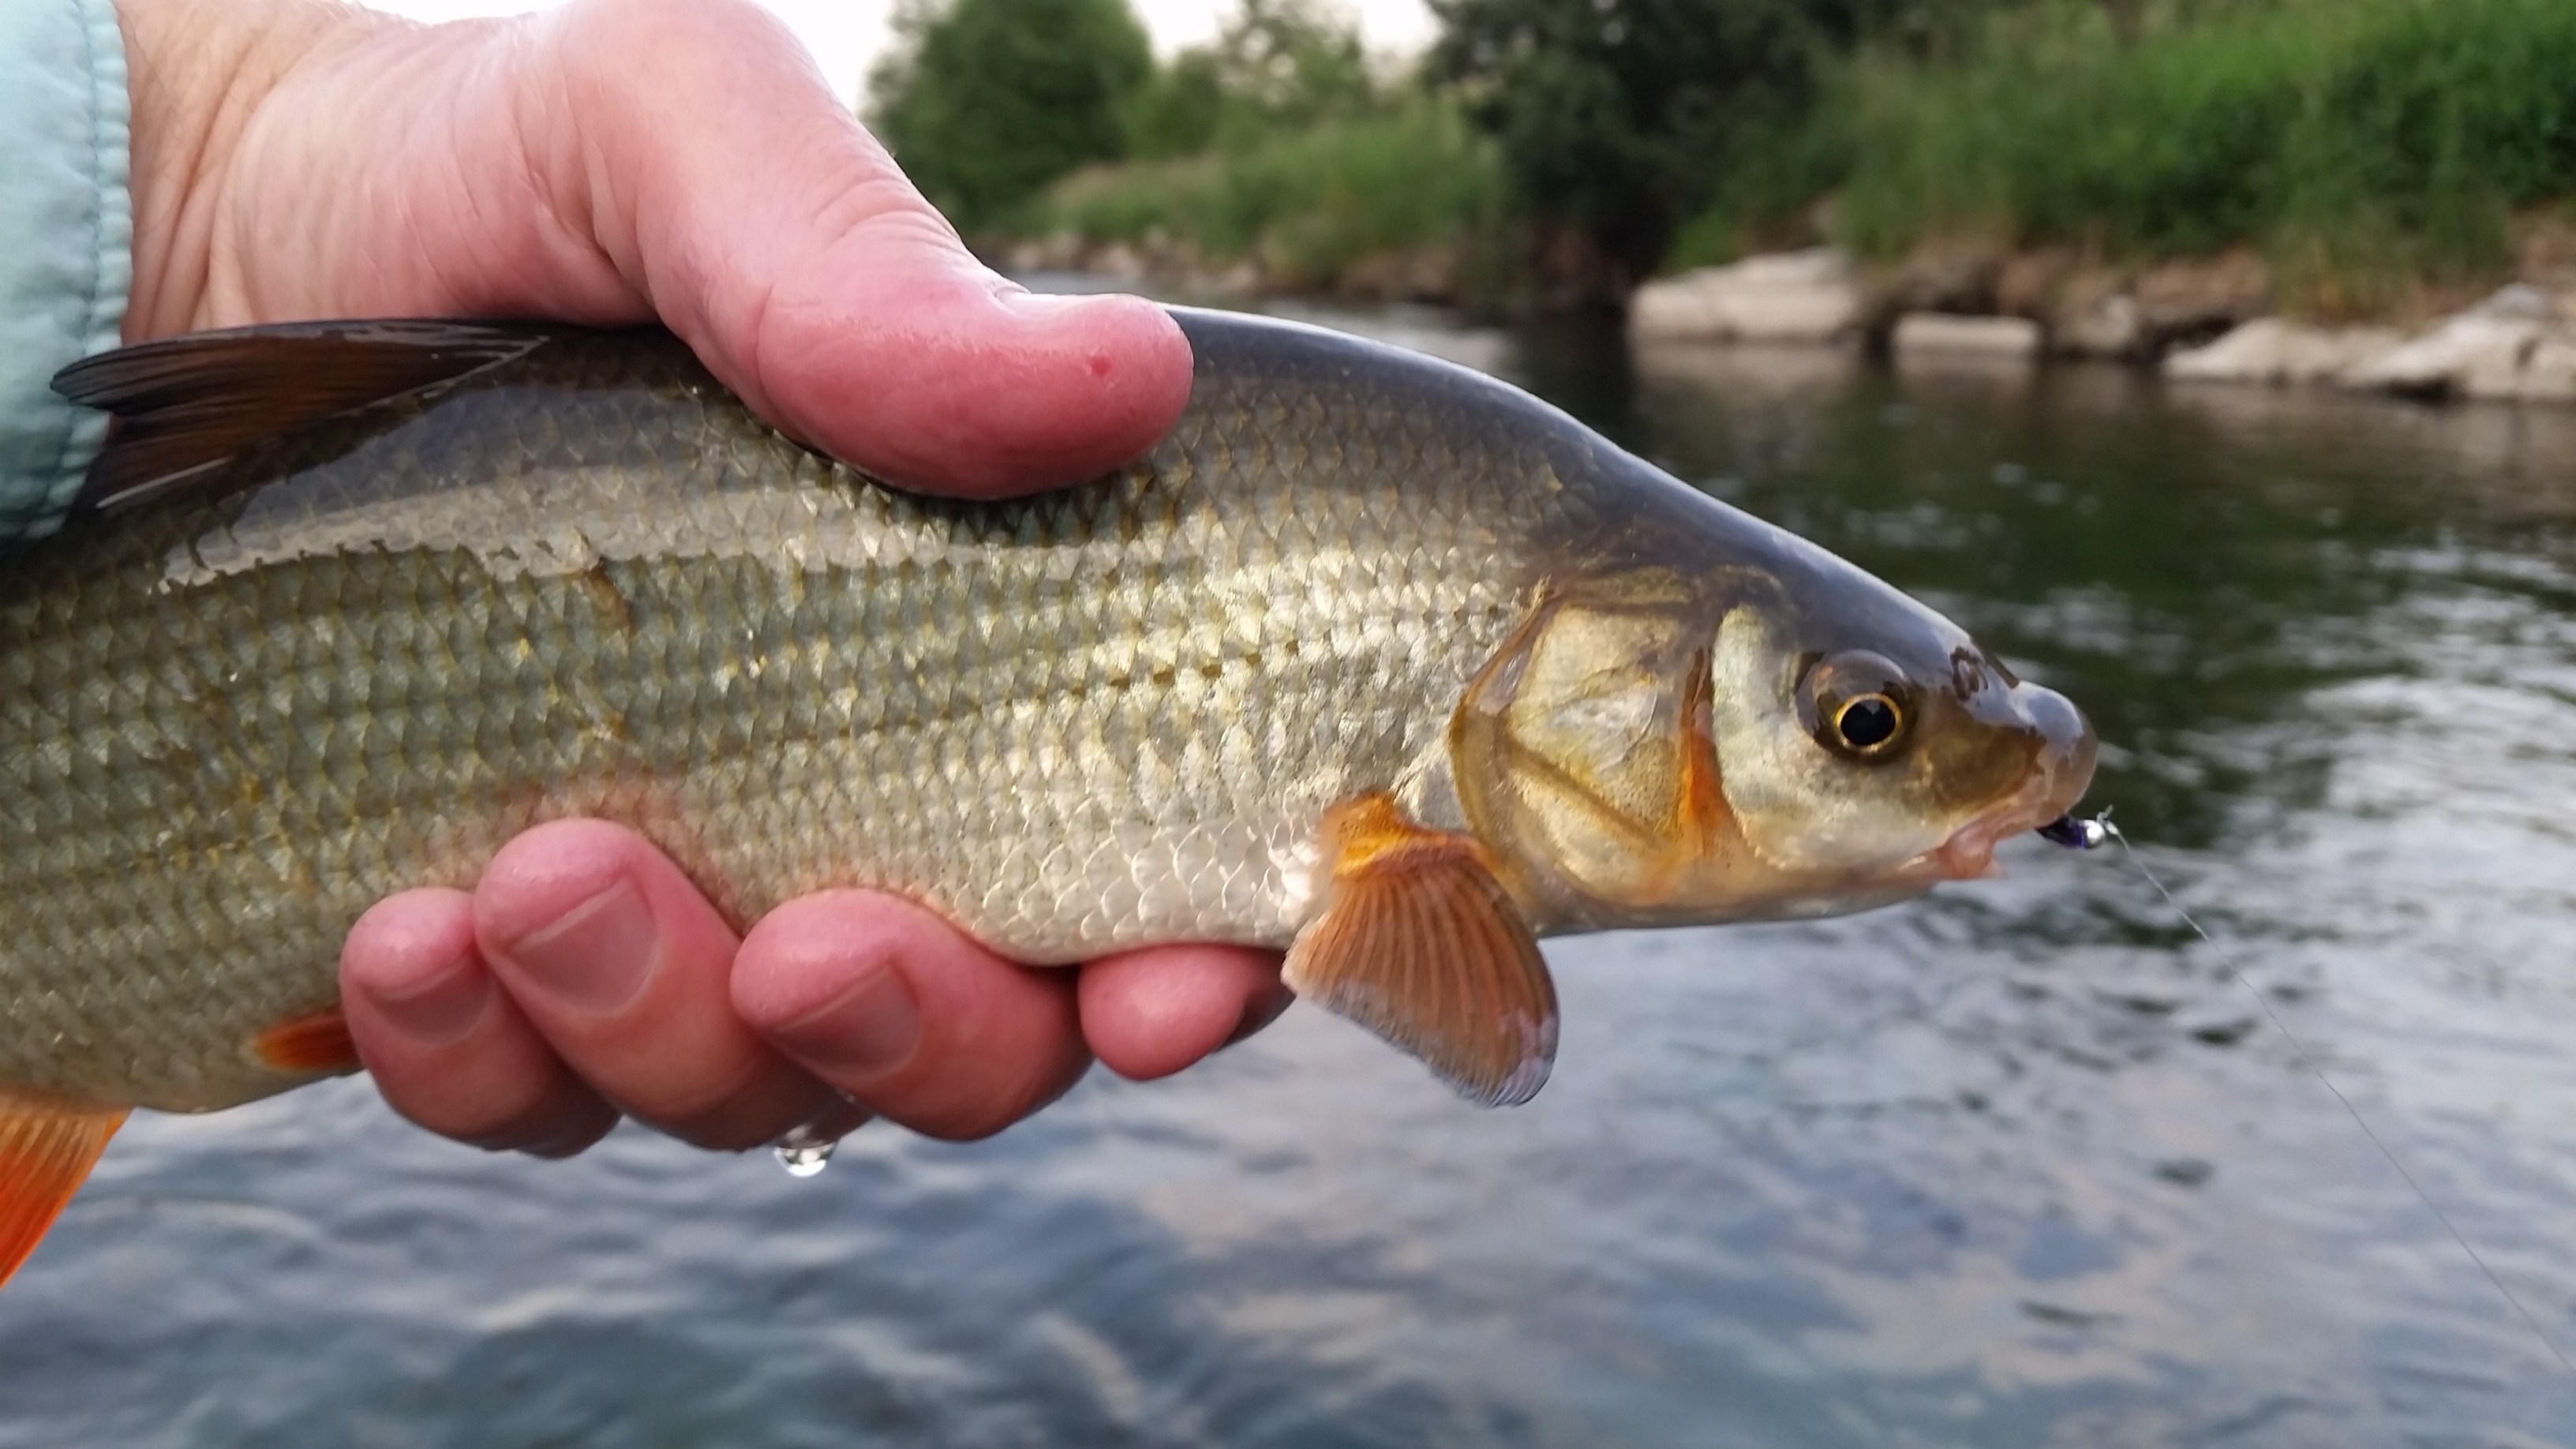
2357, 141
1305, 204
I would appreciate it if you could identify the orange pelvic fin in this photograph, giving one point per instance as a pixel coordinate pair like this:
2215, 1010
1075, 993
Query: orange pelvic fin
46, 1151
1421, 944
316, 1042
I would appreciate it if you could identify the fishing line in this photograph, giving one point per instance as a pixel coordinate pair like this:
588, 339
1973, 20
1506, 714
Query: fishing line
2089, 834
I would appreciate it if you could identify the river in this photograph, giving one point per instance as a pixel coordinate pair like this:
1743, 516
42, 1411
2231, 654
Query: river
2019, 1164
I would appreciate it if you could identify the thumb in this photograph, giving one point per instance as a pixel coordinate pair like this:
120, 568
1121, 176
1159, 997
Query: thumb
770, 230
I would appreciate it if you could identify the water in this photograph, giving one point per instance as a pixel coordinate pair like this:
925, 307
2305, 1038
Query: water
805, 1154
2016, 1165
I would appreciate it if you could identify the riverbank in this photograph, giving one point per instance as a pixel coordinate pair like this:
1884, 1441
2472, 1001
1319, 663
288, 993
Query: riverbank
1397, 205
2204, 319
2363, 150
2132, 190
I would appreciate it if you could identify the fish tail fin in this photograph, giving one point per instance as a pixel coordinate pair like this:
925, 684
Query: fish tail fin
46, 1152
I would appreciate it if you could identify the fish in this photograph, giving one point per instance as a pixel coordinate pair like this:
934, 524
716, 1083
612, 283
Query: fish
1372, 658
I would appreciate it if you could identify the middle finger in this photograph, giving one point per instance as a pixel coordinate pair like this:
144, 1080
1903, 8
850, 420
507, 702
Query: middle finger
622, 965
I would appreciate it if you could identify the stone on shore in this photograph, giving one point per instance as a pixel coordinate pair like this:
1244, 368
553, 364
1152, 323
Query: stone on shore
2270, 350
2003, 338
1807, 296
2193, 299
1938, 308
1958, 275
2549, 372
2104, 323
2481, 352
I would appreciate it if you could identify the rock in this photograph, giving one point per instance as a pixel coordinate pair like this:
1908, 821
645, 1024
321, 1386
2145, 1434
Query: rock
1061, 251
1431, 274
1118, 260
2517, 301
2085, 310
2549, 373
2271, 350
1944, 332
2188, 302
2105, 326
2495, 373
1947, 276
1379, 276
2481, 352
2028, 283
1806, 296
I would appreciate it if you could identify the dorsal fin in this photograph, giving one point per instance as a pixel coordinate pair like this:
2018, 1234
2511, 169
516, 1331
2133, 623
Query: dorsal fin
185, 404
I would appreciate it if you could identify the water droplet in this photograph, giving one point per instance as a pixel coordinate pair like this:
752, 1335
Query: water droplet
805, 1152
806, 1161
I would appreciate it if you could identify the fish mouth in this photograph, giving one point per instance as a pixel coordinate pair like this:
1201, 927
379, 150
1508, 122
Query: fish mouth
2062, 769
1969, 853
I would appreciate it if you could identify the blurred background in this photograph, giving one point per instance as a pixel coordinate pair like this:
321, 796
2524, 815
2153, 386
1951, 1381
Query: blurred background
2355, 158
2209, 359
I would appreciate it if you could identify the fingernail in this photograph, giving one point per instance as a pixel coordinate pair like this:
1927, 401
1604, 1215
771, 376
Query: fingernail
870, 1029
1040, 306
1260, 1014
596, 956
441, 1008
571, 1144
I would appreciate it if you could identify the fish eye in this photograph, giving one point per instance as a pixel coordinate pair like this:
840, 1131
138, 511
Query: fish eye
1866, 723
1857, 705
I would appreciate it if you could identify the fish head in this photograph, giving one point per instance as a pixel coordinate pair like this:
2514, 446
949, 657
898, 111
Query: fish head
1787, 736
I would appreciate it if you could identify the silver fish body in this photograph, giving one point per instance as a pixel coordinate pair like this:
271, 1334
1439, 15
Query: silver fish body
585, 580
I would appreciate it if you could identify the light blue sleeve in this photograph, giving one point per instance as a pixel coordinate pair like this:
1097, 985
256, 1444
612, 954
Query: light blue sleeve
66, 243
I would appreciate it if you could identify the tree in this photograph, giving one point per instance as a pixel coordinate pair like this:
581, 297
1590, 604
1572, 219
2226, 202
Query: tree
986, 101
1293, 63
1180, 110
1275, 66
1615, 116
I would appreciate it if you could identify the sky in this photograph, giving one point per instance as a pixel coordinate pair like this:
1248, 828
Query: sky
845, 35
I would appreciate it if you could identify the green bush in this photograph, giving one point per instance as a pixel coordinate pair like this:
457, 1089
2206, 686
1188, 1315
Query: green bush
1307, 203
2357, 140
1275, 66
1621, 120
986, 101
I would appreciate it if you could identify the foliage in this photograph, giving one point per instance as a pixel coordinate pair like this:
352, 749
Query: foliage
1178, 111
1279, 143
1307, 203
986, 101
1276, 66
2357, 140
1620, 117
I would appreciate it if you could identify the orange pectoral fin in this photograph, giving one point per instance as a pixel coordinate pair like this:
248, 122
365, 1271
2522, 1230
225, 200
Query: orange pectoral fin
316, 1042
46, 1152
1421, 944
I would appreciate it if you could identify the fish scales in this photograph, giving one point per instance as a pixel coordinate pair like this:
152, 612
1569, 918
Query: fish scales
591, 583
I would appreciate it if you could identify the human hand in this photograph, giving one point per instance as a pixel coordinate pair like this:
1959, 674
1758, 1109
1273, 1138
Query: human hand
622, 161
